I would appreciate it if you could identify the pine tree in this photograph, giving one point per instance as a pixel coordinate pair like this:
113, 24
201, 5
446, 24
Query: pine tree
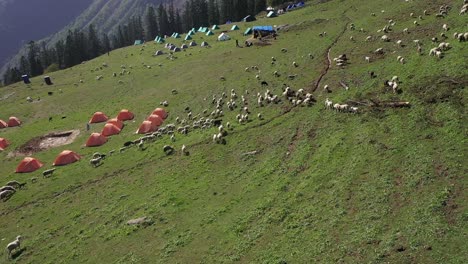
163, 20
171, 17
94, 47
151, 23
105, 43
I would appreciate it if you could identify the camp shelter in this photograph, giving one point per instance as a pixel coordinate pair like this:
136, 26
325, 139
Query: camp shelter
158, 52
147, 127
29, 164
234, 27
214, 27
176, 35
271, 14
110, 130
200, 29
98, 117
95, 140
138, 42
176, 49
190, 33
155, 119
203, 29
125, 115
249, 18
205, 44
223, 37
3, 143
193, 44
209, 33
13, 121
184, 46
160, 112
3, 124
25, 79
248, 31
66, 157
188, 37
116, 122
48, 80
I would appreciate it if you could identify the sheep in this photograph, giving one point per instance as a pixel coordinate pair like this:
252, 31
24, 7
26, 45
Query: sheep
6, 194
15, 245
367, 59
48, 173
295, 64
369, 38
406, 31
257, 77
95, 162
328, 103
122, 149
184, 150
444, 46
168, 149
379, 51
416, 23
260, 116
16, 184
353, 109
326, 88
445, 27
400, 43
385, 38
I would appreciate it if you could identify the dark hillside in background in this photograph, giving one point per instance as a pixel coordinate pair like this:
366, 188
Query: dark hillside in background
25, 20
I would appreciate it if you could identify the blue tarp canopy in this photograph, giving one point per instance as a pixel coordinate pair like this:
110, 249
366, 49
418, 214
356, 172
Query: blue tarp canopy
264, 28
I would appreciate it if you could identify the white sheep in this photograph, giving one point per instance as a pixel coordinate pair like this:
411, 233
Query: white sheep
184, 150
445, 27
385, 38
328, 103
369, 38
326, 88
259, 115
353, 109
15, 245
367, 58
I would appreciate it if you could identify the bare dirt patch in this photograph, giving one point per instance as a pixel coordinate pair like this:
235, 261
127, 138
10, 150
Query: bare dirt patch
51, 140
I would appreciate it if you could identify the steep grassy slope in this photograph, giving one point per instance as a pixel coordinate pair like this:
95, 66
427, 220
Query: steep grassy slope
384, 185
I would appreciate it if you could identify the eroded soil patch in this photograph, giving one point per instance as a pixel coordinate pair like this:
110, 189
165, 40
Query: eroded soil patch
51, 140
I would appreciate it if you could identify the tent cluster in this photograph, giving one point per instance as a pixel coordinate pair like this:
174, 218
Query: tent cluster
12, 122
30, 164
112, 127
153, 122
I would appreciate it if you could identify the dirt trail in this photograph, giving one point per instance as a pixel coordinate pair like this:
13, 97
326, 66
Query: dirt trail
328, 59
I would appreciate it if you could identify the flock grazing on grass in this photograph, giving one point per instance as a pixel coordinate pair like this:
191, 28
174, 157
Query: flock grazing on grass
245, 104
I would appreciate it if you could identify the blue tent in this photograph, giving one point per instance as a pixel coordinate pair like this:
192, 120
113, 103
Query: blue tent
263, 28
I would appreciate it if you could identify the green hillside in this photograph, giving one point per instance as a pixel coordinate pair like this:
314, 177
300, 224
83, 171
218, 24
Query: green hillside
384, 185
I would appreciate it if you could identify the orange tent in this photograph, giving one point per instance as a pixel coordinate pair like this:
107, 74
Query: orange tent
3, 124
155, 119
160, 112
147, 127
13, 121
28, 164
3, 143
116, 122
98, 117
66, 157
96, 139
125, 115
110, 129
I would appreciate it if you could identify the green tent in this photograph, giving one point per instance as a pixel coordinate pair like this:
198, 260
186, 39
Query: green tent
190, 33
176, 35
235, 27
188, 37
200, 29
204, 29
271, 14
209, 33
214, 27
138, 42
248, 31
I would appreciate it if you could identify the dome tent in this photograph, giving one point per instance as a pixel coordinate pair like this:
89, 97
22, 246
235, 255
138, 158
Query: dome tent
3, 144
95, 140
29, 164
184, 46
13, 121
98, 117
3, 124
158, 52
235, 27
160, 112
193, 44
116, 122
205, 44
155, 119
223, 37
110, 130
125, 115
66, 157
147, 127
